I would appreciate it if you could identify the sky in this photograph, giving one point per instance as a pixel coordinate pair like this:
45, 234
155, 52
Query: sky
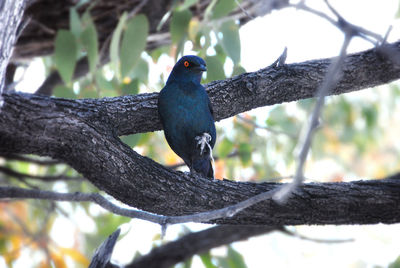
263, 39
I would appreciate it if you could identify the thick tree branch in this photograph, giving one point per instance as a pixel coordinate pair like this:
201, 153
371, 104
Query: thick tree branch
11, 12
197, 243
83, 134
272, 85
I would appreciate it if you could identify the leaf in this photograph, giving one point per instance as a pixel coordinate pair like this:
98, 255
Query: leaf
141, 70
395, 264
74, 22
65, 92
215, 69
225, 147
90, 43
179, 25
398, 12
88, 93
133, 43
102, 82
235, 259
130, 88
238, 70
276, 116
231, 40
187, 4
65, 54
188, 263
206, 260
245, 153
223, 8
193, 29
115, 42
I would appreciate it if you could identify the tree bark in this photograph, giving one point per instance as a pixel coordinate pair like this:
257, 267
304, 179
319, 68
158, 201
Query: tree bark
83, 133
196, 243
11, 12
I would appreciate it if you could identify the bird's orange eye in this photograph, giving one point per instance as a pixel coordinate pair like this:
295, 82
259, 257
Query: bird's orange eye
186, 64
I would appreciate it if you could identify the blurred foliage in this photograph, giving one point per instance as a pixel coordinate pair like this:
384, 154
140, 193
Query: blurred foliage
256, 146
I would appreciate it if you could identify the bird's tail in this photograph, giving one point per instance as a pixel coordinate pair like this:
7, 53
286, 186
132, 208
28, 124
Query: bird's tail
203, 160
204, 167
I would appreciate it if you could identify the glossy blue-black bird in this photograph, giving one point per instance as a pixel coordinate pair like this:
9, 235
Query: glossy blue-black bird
187, 116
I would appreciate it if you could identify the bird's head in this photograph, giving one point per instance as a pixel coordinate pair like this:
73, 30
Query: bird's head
188, 68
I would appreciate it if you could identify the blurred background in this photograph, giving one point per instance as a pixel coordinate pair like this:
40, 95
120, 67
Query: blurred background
353, 142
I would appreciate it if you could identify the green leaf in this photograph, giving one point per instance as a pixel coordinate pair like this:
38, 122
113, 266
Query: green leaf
132, 88
245, 153
90, 43
398, 12
223, 8
133, 43
65, 54
131, 140
225, 147
395, 264
115, 43
179, 25
371, 116
206, 260
187, 4
215, 69
102, 82
74, 22
235, 259
238, 70
231, 40
88, 93
65, 92
188, 263
141, 71
276, 116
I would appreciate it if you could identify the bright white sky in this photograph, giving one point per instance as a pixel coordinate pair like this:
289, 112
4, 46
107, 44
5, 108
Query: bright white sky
307, 37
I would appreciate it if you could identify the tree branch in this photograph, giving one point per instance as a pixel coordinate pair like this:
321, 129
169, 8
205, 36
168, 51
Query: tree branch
83, 133
196, 243
360, 202
269, 86
11, 12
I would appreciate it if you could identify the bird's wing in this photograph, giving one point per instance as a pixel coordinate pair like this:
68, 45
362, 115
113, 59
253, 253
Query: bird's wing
210, 107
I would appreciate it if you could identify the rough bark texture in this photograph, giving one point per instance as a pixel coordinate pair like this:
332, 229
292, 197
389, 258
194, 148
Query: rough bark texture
83, 133
196, 243
11, 12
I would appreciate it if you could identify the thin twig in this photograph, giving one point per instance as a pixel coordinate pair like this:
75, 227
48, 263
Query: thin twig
275, 131
316, 240
42, 162
341, 23
331, 78
244, 10
7, 192
20, 175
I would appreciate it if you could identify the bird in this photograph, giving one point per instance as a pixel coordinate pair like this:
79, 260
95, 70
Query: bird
187, 116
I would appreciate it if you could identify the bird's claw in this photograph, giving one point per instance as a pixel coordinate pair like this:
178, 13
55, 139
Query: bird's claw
202, 141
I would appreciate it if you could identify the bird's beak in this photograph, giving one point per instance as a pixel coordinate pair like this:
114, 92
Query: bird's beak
201, 68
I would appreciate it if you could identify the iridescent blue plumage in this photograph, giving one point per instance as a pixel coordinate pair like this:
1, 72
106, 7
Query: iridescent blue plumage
186, 115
